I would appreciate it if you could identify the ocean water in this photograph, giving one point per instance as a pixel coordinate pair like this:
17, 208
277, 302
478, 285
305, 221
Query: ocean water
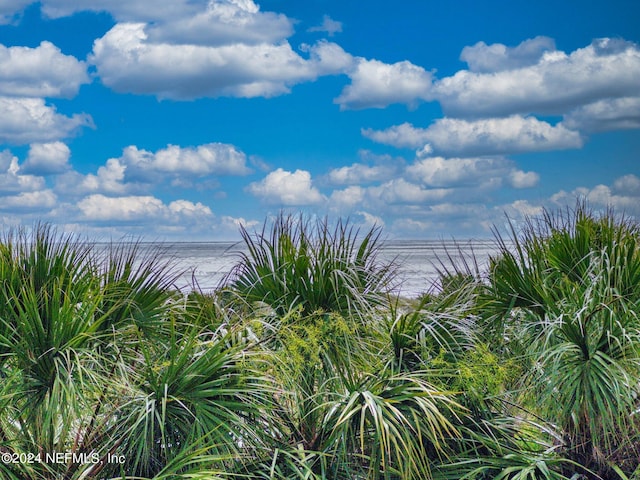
206, 264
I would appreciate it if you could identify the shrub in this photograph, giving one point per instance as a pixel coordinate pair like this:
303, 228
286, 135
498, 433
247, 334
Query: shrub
308, 264
565, 294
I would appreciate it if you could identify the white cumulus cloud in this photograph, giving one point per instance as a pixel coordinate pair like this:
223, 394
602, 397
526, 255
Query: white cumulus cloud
602, 196
520, 179
483, 172
30, 120
404, 135
144, 208
375, 84
186, 208
47, 158
108, 179
189, 162
627, 185
556, 83
43, 71
348, 198
400, 191
99, 207
13, 180
37, 201
519, 209
607, 114
498, 57
514, 134
359, 173
223, 22
282, 187
128, 61
138, 170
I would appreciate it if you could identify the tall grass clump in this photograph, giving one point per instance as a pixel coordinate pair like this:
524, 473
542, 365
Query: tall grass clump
343, 409
100, 356
564, 297
309, 264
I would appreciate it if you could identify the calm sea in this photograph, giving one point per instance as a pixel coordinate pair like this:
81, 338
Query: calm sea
419, 261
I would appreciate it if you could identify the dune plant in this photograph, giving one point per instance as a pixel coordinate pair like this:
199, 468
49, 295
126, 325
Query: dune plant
565, 294
100, 356
49, 315
345, 414
136, 285
193, 393
308, 263
390, 425
553, 253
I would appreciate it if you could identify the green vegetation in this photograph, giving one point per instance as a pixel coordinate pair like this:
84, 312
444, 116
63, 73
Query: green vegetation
304, 365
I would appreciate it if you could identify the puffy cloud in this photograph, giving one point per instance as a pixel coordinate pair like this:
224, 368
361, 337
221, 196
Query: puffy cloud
190, 162
287, 188
492, 136
520, 209
328, 25
47, 158
498, 57
40, 72
400, 191
233, 224
428, 182
375, 84
29, 201
224, 22
520, 179
100, 208
607, 114
513, 134
329, 58
557, 83
138, 170
12, 180
359, 173
627, 185
127, 62
184, 21
348, 198
431, 180
400, 136
189, 209
602, 195
623, 195
470, 172
30, 120
594, 87
108, 179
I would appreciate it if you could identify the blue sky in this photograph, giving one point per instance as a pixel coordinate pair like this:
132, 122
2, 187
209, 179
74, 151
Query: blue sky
181, 119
